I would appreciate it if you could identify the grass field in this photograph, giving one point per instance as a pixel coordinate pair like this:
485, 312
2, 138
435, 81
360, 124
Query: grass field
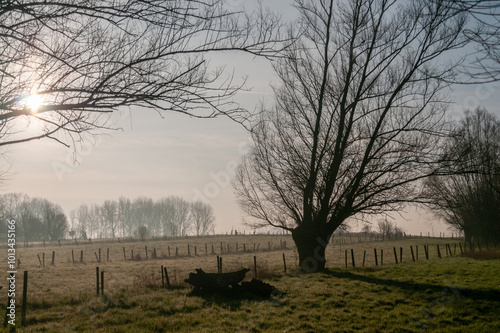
455, 293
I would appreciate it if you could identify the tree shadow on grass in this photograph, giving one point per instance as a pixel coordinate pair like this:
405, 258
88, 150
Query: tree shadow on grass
490, 295
233, 300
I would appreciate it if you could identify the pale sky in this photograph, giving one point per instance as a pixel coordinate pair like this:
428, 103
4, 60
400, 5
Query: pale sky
176, 155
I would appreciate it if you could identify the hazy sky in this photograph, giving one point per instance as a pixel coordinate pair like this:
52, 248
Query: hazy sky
176, 155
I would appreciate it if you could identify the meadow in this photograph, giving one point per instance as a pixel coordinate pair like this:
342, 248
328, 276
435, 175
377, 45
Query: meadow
453, 293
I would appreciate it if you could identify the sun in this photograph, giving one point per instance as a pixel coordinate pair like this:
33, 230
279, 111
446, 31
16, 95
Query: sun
33, 102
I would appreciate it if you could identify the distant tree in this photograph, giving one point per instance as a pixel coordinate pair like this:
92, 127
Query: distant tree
357, 117
469, 198
109, 211
65, 66
36, 218
202, 217
142, 232
385, 228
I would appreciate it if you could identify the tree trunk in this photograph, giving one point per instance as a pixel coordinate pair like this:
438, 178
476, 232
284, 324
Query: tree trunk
311, 244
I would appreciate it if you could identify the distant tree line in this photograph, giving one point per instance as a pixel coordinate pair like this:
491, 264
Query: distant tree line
36, 218
171, 216
39, 219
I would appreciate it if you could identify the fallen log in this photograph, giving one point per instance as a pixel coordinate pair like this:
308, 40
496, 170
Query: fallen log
228, 284
216, 281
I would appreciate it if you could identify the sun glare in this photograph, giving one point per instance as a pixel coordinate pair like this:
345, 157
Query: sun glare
33, 102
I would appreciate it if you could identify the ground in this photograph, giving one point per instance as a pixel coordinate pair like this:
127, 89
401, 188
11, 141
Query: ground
454, 293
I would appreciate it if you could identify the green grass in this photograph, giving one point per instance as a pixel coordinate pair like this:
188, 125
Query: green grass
452, 294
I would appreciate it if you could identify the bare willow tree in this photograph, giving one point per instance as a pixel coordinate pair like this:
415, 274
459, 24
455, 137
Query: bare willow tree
469, 198
66, 65
357, 119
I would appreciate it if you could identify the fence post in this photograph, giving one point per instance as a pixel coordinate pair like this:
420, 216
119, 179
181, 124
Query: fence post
255, 265
146, 250
439, 252
346, 258
461, 250
352, 257
97, 279
426, 250
364, 255
395, 254
416, 254
102, 282
412, 255
376, 259
162, 277
73, 256
81, 256
218, 264
381, 257
25, 296
400, 254
166, 277
284, 262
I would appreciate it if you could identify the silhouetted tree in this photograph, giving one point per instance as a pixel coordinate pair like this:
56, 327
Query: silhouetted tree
357, 119
469, 198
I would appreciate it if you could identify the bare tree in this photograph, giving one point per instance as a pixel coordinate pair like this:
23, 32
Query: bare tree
357, 119
65, 66
469, 198
484, 31
109, 211
385, 228
202, 217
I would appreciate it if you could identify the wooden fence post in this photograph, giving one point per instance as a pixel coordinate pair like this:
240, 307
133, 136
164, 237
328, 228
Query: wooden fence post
364, 254
146, 250
381, 257
412, 255
284, 262
73, 256
166, 277
53, 258
124, 255
25, 296
400, 254
346, 258
395, 255
102, 282
81, 256
352, 257
439, 252
255, 266
376, 259
426, 250
162, 277
97, 279
461, 250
